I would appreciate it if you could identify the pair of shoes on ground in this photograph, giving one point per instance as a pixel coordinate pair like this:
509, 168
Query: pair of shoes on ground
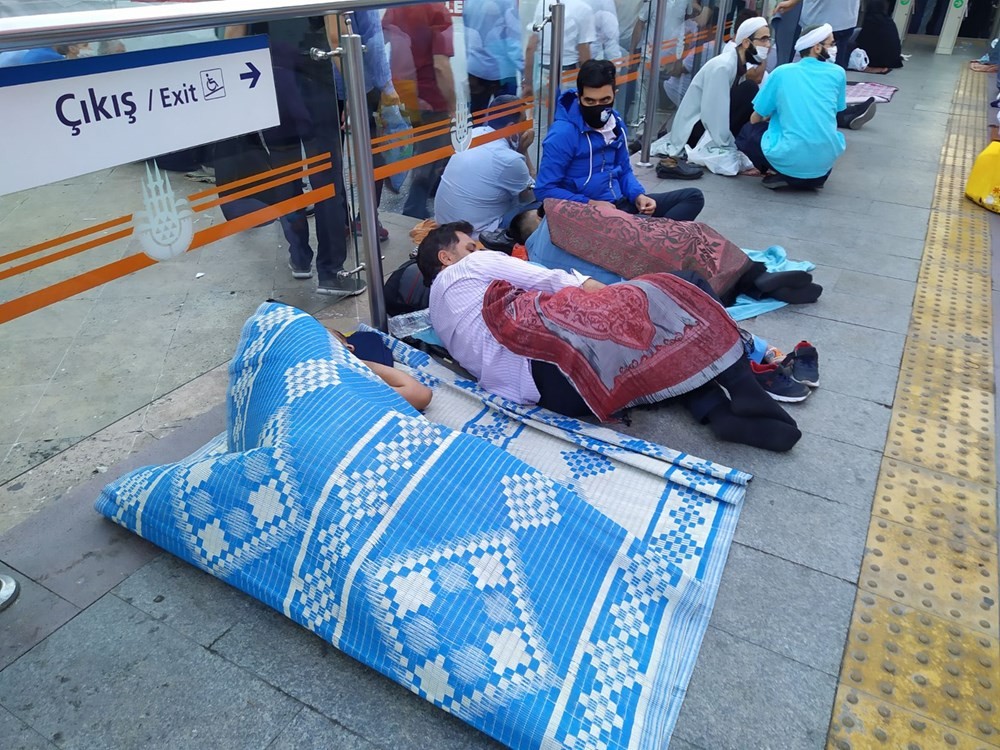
791, 379
677, 168
338, 286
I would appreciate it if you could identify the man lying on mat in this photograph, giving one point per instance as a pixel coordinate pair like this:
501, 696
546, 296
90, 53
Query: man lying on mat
573, 345
611, 246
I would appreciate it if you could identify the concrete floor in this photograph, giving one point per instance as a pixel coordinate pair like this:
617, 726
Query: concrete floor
114, 644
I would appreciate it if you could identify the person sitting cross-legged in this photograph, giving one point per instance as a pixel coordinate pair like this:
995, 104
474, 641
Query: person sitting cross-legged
585, 154
575, 346
792, 133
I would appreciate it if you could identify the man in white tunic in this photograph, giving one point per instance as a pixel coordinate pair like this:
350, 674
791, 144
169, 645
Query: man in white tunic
707, 99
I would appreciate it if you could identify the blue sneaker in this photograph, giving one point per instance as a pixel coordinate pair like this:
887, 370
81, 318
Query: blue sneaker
804, 364
777, 380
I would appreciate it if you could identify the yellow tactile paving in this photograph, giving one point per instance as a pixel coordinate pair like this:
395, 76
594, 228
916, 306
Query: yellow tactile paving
937, 503
954, 580
863, 721
921, 668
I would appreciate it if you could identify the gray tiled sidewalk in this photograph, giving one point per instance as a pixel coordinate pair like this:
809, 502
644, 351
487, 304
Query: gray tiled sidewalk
114, 644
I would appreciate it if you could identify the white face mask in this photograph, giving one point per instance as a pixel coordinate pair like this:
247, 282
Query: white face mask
833, 54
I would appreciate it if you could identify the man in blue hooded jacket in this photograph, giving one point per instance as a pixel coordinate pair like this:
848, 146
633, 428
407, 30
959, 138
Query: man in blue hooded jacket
585, 155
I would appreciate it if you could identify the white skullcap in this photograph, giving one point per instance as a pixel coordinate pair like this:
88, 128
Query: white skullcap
748, 28
814, 37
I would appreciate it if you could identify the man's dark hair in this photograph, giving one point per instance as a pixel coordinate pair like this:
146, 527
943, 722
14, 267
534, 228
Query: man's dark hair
518, 228
595, 74
438, 239
743, 14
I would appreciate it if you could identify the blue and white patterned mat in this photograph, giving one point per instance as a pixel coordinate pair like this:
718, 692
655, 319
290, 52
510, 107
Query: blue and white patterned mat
546, 581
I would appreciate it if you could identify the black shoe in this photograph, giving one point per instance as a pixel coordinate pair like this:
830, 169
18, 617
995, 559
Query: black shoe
677, 169
341, 286
866, 114
635, 147
498, 239
774, 182
779, 383
804, 364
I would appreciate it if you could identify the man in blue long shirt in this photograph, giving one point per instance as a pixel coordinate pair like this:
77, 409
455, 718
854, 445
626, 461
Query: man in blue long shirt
494, 56
585, 155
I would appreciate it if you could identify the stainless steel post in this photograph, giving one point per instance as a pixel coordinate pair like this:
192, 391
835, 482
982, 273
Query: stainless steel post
720, 31
652, 86
558, 22
360, 135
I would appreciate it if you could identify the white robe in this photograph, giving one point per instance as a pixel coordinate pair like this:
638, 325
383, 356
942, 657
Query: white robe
706, 100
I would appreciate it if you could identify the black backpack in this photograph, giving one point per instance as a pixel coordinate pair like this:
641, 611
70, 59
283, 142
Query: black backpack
405, 291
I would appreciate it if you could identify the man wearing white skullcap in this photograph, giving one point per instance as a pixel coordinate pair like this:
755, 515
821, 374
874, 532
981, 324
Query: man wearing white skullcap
707, 101
793, 130
842, 15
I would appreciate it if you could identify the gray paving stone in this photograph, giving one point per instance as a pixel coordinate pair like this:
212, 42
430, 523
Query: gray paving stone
897, 291
84, 555
312, 731
806, 529
816, 465
744, 697
786, 327
35, 614
345, 691
784, 607
35, 361
115, 678
16, 735
192, 602
678, 743
843, 418
859, 310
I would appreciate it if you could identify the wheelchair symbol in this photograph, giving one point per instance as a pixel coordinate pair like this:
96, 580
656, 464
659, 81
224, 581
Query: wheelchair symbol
212, 84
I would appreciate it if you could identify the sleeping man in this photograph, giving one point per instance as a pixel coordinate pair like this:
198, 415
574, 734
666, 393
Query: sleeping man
571, 344
611, 246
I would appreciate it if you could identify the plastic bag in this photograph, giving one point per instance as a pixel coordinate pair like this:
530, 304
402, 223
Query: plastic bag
983, 186
725, 161
859, 60
394, 122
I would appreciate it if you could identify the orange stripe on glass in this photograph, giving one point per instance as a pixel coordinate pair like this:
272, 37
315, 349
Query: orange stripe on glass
49, 244
83, 282
62, 254
419, 160
254, 178
298, 175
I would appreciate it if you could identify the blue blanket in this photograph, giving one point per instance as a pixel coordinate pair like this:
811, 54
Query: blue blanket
546, 581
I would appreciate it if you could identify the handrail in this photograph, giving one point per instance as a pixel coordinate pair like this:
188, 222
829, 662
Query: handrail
48, 29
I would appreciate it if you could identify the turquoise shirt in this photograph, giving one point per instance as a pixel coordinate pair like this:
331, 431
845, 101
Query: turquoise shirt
803, 99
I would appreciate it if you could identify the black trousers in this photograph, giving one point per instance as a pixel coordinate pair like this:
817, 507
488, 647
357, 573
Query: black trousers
740, 108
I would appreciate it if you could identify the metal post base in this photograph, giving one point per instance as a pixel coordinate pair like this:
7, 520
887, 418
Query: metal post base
9, 589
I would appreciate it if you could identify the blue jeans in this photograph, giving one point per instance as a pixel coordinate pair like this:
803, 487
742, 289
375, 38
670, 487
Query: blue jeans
679, 205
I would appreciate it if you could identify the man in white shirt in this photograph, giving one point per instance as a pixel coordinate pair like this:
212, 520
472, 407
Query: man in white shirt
842, 15
579, 33
482, 184
459, 277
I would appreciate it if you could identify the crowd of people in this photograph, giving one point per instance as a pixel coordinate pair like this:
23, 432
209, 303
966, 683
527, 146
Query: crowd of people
591, 232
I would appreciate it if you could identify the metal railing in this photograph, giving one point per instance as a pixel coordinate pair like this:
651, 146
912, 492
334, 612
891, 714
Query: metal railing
47, 29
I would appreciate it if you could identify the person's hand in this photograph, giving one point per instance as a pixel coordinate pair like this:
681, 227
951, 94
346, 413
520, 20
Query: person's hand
756, 73
389, 98
601, 204
527, 90
645, 204
525, 140
785, 5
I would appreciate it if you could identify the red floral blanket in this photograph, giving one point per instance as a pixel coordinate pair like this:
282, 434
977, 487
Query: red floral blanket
638, 342
631, 246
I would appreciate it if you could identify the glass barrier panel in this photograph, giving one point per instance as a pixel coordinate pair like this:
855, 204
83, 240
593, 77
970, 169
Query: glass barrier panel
121, 284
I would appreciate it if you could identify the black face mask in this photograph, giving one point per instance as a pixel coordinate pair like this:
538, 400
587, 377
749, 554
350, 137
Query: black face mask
595, 115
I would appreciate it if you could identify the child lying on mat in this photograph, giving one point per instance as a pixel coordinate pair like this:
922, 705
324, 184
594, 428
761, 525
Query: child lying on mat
370, 349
